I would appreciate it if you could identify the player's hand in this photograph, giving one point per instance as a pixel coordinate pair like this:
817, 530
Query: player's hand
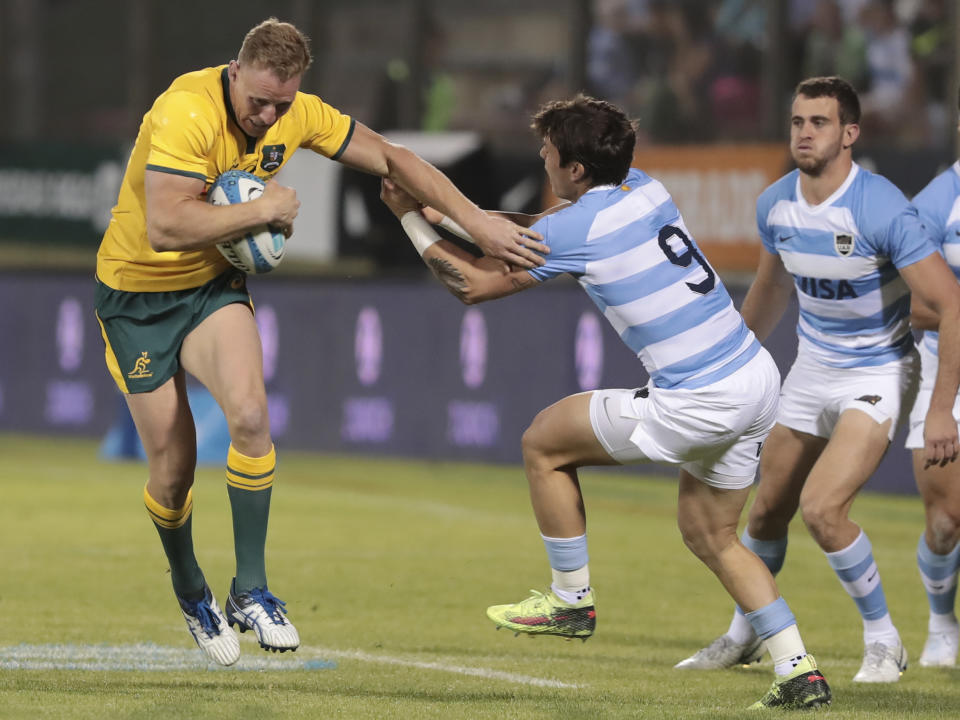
280, 204
510, 242
940, 442
397, 199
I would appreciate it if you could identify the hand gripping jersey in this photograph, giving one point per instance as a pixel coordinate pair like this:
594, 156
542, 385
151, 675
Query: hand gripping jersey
939, 207
843, 255
628, 247
191, 130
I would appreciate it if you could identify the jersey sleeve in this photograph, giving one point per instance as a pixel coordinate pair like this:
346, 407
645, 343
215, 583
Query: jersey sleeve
906, 240
933, 203
566, 249
763, 227
325, 129
184, 131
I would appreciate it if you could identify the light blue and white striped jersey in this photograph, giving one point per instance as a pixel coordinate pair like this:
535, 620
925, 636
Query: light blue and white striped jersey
939, 207
843, 255
629, 249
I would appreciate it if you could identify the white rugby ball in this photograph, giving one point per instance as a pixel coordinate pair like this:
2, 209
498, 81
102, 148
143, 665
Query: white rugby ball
259, 250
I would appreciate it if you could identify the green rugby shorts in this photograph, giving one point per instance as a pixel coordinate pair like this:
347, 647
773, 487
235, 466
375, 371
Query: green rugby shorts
144, 331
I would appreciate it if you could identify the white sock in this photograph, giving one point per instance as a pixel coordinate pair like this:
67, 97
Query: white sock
786, 649
881, 630
740, 630
571, 586
942, 623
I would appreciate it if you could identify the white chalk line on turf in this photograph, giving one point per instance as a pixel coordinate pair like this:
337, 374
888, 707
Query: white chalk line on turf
142, 657
147, 657
442, 667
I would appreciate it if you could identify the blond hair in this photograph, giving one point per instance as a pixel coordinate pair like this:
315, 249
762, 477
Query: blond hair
278, 47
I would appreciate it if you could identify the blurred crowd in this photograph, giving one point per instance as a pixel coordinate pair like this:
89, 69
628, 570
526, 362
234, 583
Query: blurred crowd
691, 70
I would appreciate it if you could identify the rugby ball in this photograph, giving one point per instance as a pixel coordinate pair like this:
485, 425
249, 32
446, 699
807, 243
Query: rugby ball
261, 249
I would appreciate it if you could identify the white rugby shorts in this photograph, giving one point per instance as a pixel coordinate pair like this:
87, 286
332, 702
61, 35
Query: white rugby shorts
918, 414
814, 395
715, 432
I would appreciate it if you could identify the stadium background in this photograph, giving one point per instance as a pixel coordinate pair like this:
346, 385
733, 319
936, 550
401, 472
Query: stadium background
364, 353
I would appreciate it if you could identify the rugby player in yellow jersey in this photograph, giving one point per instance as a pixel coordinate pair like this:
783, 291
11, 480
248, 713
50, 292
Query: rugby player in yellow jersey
168, 303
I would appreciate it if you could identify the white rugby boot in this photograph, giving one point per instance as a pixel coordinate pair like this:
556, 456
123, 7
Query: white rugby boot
261, 611
940, 650
209, 628
882, 663
722, 653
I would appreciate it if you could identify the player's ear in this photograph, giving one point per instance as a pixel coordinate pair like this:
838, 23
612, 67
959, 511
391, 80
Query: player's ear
577, 171
850, 134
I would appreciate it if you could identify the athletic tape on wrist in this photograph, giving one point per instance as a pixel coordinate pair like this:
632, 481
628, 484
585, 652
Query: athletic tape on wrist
419, 231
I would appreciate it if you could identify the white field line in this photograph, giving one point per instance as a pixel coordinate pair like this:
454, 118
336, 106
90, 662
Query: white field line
156, 658
144, 656
439, 666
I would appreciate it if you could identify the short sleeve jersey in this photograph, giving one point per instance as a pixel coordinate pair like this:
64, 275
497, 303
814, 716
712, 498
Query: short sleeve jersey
939, 207
191, 130
844, 256
628, 247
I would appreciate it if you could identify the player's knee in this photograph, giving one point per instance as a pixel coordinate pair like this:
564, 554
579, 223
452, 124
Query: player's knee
247, 418
943, 526
532, 443
769, 520
821, 518
706, 542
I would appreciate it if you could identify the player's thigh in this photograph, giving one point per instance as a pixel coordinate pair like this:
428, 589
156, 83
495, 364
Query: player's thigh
224, 353
165, 423
849, 459
563, 434
786, 460
939, 487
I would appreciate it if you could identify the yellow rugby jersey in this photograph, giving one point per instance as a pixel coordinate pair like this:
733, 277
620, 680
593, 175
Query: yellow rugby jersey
191, 130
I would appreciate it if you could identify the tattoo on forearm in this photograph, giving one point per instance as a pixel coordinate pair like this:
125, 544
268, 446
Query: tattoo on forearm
449, 275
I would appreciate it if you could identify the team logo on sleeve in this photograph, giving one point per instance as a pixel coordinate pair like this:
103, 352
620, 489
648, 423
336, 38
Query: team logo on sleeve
272, 157
843, 242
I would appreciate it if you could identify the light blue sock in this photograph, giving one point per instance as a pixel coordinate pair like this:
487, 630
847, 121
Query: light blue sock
858, 574
939, 576
772, 552
566, 554
568, 561
771, 619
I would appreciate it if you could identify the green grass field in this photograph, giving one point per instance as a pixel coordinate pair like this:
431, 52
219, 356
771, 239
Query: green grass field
387, 567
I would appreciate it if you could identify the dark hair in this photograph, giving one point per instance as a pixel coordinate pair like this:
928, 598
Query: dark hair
837, 88
594, 133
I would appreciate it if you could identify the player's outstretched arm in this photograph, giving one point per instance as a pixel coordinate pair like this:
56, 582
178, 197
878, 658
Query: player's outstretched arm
921, 316
435, 217
496, 236
469, 278
935, 287
768, 296
178, 219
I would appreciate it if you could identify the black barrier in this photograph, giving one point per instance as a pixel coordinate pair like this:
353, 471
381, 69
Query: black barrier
386, 368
